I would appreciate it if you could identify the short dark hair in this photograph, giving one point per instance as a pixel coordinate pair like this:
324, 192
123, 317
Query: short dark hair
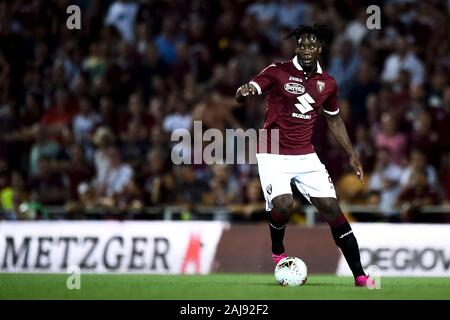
321, 31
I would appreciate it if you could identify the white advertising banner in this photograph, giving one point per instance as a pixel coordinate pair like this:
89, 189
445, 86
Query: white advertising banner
109, 246
402, 249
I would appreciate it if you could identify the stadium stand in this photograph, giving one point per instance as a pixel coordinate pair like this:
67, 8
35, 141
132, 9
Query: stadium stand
86, 115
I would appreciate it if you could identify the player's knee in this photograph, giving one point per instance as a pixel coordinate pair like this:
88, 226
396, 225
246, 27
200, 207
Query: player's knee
283, 205
332, 211
328, 207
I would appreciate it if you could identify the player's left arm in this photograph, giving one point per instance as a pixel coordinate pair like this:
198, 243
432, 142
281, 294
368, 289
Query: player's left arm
337, 127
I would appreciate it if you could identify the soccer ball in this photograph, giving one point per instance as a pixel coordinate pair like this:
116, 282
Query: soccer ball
291, 271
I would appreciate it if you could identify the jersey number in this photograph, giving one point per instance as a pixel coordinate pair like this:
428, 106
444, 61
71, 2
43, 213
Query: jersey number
305, 103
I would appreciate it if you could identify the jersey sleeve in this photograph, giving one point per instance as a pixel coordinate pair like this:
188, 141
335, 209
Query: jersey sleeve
265, 80
330, 105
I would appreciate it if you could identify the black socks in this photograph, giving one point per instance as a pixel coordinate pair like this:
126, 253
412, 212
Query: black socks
346, 240
277, 234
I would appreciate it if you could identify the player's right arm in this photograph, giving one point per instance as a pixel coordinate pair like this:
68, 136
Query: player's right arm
244, 91
258, 85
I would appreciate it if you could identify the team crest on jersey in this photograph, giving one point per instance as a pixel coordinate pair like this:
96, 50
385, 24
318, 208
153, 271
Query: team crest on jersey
269, 189
294, 88
320, 86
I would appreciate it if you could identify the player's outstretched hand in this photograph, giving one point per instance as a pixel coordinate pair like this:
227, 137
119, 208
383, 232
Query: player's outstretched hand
357, 167
244, 91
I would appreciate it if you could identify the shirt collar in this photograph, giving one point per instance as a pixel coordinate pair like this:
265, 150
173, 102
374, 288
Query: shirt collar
299, 67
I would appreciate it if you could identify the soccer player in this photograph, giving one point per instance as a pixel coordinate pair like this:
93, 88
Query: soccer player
296, 91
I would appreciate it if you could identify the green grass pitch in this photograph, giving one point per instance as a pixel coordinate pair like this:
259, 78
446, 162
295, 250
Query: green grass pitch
214, 286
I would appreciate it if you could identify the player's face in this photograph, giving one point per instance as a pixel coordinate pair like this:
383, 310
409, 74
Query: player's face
308, 50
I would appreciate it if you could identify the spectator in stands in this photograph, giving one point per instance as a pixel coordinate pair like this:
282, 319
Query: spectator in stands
162, 191
365, 83
85, 122
119, 175
415, 194
183, 65
155, 111
32, 111
114, 188
5, 76
265, 12
441, 121
159, 138
20, 135
372, 106
224, 188
135, 144
423, 136
418, 161
59, 115
43, 147
8, 121
403, 58
21, 194
445, 177
14, 193
344, 66
253, 206
435, 90
189, 189
96, 63
356, 29
152, 65
399, 93
6, 192
77, 170
216, 111
107, 113
168, 40
390, 138
179, 117
385, 180
350, 190
152, 174
409, 112
135, 113
292, 13
48, 187
103, 139
223, 35
121, 72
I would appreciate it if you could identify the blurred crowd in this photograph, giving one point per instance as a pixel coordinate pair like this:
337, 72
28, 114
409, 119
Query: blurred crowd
86, 115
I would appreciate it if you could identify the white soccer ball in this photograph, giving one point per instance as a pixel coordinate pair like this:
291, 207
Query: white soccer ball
291, 271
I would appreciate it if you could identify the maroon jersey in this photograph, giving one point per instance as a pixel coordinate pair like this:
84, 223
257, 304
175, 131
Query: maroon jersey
293, 103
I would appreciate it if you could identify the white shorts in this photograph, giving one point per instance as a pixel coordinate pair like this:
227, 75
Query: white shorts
307, 172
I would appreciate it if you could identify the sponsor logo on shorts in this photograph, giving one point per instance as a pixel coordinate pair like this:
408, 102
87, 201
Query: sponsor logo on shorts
294, 88
269, 189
